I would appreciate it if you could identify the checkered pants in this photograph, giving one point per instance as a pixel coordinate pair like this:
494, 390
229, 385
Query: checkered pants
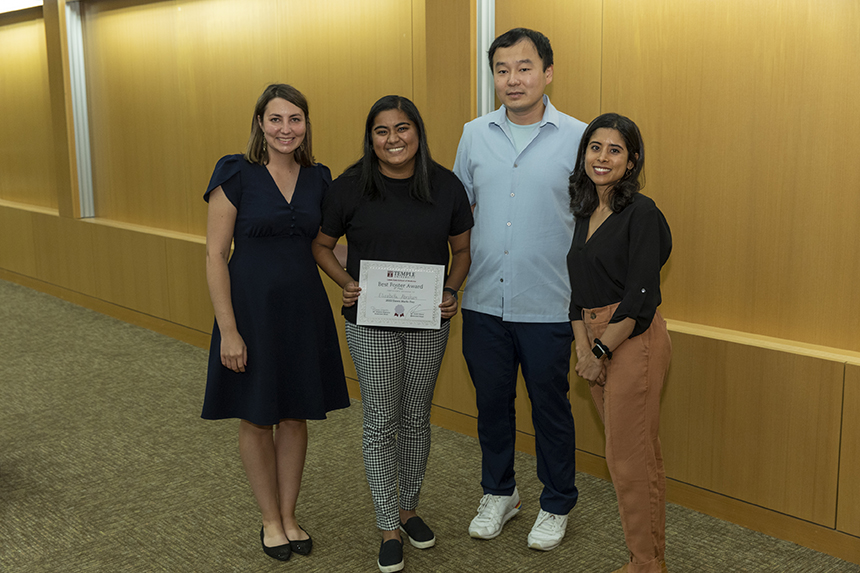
397, 373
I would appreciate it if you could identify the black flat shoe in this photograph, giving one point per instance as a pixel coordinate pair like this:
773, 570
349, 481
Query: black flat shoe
419, 534
281, 552
304, 546
391, 556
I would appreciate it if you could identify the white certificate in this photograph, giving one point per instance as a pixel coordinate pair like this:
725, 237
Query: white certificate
405, 295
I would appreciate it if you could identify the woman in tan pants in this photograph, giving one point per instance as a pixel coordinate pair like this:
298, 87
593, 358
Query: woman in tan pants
620, 244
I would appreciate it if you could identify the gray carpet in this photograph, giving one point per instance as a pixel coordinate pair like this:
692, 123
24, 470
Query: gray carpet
106, 466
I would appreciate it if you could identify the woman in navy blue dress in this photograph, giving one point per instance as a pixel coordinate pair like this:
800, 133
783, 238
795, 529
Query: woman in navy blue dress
274, 361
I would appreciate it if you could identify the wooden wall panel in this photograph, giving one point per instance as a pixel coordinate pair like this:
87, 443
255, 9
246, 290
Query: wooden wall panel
65, 255
848, 512
574, 30
188, 292
140, 139
747, 113
17, 248
172, 87
754, 424
27, 169
131, 270
449, 93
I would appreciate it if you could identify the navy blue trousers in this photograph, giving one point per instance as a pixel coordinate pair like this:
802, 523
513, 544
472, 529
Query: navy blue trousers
494, 350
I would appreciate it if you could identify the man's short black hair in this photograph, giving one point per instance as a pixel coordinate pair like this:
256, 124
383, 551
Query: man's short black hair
516, 35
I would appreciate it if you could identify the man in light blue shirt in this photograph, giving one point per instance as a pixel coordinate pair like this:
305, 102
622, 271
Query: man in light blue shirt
515, 163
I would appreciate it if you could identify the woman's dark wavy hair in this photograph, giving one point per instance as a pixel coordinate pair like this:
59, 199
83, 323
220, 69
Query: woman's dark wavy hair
371, 182
583, 193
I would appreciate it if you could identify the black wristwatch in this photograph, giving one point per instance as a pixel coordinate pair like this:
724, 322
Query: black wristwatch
453, 291
600, 350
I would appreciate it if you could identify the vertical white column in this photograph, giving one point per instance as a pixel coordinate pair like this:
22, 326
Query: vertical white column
78, 77
486, 33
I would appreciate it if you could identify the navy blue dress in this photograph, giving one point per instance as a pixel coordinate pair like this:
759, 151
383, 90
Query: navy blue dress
282, 312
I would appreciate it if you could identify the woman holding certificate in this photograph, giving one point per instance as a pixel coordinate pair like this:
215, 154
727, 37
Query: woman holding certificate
620, 244
396, 204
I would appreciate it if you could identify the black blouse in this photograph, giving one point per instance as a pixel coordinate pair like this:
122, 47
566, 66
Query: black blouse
621, 262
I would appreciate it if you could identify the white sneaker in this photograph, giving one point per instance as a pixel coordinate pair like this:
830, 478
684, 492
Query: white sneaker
493, 512
548, 531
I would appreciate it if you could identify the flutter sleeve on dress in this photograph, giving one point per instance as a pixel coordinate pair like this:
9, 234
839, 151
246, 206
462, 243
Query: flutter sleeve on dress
227, 174
325, 173
322, 175
648, 250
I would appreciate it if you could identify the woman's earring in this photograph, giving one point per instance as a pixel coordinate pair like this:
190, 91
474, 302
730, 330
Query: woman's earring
264, 146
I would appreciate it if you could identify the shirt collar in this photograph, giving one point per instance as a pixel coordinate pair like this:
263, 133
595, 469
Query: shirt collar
550, 114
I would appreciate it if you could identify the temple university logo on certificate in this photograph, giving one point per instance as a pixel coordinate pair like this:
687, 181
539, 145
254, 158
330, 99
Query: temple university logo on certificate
395, 294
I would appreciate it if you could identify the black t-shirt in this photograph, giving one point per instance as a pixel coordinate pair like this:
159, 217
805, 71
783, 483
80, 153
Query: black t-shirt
621, 262
396, 227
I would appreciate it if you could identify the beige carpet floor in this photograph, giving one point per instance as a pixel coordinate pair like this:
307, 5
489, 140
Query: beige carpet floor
106, 466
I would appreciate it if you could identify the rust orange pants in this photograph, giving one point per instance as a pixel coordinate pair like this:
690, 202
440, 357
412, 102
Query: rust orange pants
629, 406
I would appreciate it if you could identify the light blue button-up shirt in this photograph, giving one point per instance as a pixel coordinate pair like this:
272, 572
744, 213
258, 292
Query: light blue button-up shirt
523, 224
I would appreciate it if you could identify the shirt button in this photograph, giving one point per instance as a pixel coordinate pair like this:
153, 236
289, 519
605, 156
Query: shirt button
643, 291
512, 194
506, 252
509, 223
515, 165
593, 316
501, 280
